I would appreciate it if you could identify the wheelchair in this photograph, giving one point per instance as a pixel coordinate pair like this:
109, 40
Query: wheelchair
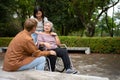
59, 67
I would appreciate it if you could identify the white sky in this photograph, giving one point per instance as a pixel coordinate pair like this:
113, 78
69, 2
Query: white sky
110, 11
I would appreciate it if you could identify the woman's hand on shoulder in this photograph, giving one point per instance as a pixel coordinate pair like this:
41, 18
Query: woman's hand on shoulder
38, 32
53, 34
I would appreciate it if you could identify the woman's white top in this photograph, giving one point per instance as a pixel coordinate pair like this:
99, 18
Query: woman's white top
40, 24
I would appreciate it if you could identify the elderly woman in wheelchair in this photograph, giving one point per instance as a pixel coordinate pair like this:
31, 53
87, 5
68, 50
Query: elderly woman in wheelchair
51, 41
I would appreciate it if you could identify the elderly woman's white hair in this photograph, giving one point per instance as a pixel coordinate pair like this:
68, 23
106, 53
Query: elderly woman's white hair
50, 24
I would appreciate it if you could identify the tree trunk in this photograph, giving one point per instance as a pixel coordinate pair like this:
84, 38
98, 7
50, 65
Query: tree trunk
90, 30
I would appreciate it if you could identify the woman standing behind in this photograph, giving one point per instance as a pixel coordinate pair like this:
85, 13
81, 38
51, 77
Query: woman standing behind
40, 18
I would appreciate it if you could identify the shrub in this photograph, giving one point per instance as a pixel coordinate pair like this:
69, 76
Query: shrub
96, 44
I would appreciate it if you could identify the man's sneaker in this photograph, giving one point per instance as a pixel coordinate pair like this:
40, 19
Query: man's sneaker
71, 71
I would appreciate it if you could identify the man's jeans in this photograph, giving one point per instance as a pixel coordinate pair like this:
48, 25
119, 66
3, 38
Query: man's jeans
38, 64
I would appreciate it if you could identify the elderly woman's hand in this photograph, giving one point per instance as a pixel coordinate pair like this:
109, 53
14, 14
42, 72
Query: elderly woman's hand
47, 45
53, 52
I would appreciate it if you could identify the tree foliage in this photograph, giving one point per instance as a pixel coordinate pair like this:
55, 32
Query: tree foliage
67, 15
10, 26
73, 15
6, 15
102, 29
86, 11
58, 11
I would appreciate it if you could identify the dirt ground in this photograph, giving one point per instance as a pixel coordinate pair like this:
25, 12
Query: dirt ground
103, 65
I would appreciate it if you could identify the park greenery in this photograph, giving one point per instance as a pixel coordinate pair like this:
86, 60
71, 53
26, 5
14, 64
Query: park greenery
79, 23
70, 17
96, 44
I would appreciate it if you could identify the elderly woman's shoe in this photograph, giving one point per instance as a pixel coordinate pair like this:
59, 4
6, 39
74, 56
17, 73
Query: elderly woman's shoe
71, 71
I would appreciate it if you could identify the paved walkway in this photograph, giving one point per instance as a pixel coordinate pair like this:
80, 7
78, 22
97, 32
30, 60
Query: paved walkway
0, 50
45, 75
101, 65
104, 65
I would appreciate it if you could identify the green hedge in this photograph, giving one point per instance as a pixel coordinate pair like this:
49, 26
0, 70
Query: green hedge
96, 44
4, 41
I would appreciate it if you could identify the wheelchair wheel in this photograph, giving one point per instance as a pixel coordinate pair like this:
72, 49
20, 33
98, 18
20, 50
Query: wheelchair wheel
59, 65
47, 65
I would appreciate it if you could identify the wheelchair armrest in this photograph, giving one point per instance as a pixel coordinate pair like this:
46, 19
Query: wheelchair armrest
63, 46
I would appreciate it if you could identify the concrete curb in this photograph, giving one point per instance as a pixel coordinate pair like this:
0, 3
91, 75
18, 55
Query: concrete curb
44, 75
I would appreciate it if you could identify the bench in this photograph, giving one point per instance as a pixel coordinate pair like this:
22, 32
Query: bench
3, 49
86, 49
